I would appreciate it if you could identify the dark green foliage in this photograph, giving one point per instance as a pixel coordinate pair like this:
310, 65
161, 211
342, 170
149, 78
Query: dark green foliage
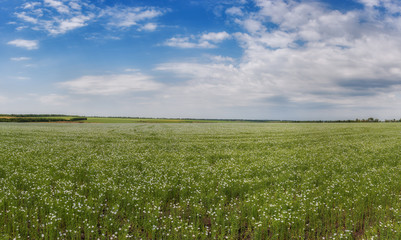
78, 119
40, 119
32, 119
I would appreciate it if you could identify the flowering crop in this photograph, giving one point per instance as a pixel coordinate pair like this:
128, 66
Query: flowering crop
200, 181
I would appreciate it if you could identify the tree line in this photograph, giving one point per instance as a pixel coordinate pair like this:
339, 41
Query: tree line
41, 119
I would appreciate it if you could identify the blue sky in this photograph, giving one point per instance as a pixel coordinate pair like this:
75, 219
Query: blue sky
248, 59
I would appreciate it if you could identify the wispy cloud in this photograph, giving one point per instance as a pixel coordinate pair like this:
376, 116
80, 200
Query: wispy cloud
388, 5
131, 70
56, 17
58, 5
206, 40
30, 5
63, 26
27, 44
125, 17
21, 78
59, 17
18, 59
111, 84
24, 16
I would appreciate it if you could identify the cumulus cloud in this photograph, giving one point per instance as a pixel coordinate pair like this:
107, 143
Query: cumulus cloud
303, 54
111, 84
23, 43
320, 48
206, 40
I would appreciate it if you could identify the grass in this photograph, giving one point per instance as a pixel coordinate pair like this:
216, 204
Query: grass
200, 181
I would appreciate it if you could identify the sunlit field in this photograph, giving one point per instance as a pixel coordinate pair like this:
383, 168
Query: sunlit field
200, 181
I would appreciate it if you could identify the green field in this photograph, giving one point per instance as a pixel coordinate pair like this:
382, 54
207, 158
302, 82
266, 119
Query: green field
200, 181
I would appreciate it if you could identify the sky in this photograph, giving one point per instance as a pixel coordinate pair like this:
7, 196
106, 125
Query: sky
228, 59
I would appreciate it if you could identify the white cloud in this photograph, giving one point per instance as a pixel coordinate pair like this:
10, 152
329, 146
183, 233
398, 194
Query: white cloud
125, 17
111, 84
22, 43
182, 42
206, 40
312, 57
252, 25
21, 28
59, 16
370, 3
58, 5
234, 11
150, 27
75, 6
31, 5
215, 37
26, 18
66, 25
220, 59
17, 59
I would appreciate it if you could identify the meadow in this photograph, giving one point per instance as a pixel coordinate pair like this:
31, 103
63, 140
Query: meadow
200, 181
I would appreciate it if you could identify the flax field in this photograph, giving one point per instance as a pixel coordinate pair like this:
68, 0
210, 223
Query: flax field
200, 181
